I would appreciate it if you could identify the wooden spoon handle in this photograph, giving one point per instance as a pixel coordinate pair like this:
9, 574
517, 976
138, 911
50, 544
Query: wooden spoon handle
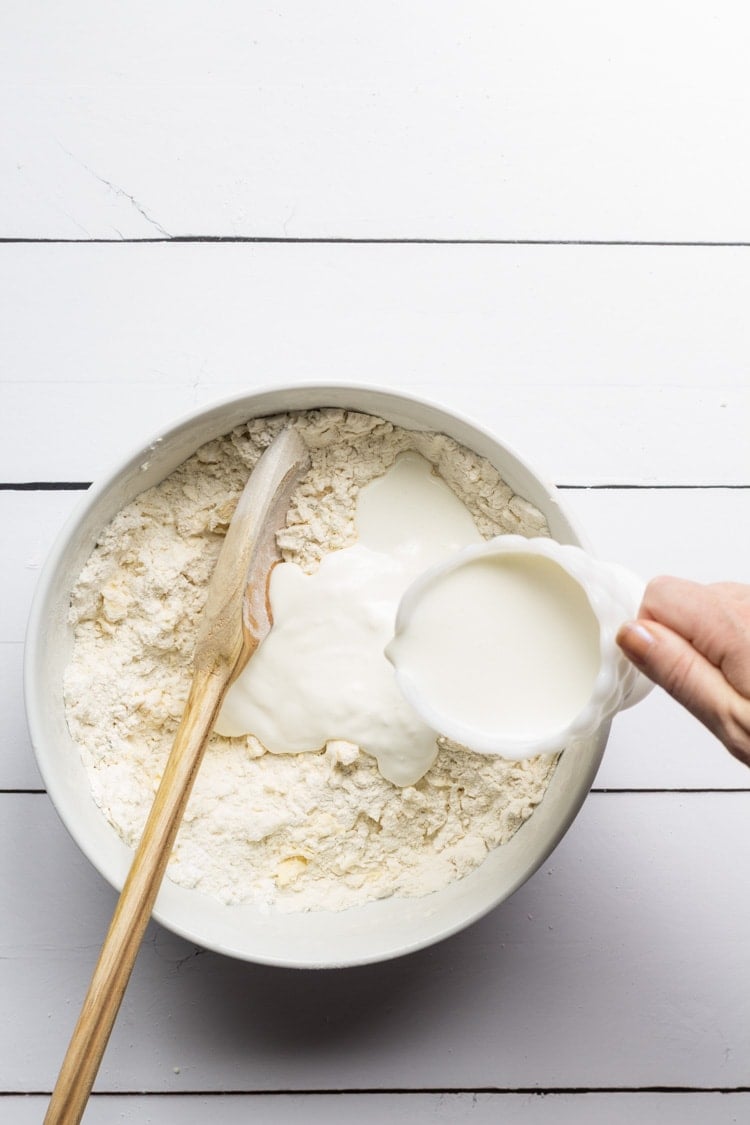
118, 954
235, 619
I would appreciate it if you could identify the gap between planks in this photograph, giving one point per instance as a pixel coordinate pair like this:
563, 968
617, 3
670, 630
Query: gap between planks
541, 1091
385, 241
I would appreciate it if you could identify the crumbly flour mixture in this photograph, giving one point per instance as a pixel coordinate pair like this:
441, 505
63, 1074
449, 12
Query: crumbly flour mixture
296, 832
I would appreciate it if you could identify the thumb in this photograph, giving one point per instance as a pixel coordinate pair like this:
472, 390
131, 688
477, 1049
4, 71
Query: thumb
672, 663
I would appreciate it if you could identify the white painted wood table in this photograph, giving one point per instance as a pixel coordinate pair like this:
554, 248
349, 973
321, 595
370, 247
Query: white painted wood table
535, 214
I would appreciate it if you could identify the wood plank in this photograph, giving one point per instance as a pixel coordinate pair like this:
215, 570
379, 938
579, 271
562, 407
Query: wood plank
349, 120
194, 314
699, 533
574, 436
401, 1109
599, 364
620, 964
36, 518
18, 769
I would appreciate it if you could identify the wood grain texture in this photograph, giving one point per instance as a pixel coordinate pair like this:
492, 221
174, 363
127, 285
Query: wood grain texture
601, 364
621, 963
18, 768
552, 121
402, 1109
572, 435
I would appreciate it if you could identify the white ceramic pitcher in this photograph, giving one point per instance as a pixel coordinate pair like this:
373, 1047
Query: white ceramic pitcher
614, 594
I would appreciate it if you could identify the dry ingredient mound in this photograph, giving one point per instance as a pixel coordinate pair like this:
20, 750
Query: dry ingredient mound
295, 832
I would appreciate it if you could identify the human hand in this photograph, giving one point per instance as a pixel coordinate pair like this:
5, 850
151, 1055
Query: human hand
694, 641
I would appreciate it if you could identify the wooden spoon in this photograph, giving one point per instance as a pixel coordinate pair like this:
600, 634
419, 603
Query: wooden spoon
235, 620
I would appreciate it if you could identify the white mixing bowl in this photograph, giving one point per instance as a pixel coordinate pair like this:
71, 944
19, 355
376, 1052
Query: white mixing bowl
319, 939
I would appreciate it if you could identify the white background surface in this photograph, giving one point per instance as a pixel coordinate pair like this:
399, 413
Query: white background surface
326, 142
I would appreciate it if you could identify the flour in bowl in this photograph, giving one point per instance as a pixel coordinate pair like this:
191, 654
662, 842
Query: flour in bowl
300, 831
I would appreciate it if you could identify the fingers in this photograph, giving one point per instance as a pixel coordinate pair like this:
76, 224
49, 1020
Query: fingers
674, 664
692, 679
715, 619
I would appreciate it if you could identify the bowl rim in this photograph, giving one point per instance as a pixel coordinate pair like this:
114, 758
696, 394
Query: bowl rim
313, 395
